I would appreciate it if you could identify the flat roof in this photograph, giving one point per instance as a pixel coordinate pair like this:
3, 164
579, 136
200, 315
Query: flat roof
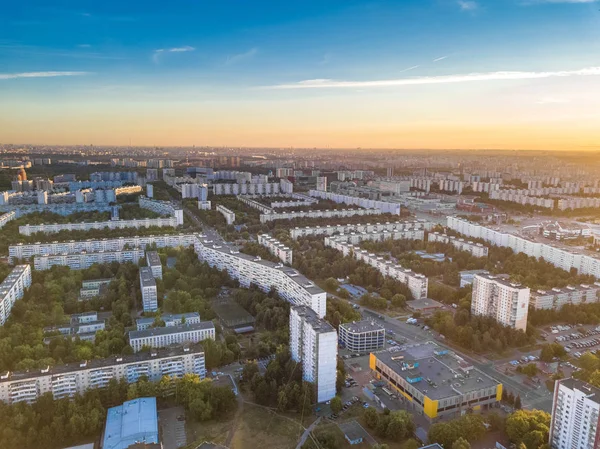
353, 430
424, 303
450, 374
171, 330
146, 277
168, 317
132, 422
362, 326
502, 279
311, 317
584, 387
153, 259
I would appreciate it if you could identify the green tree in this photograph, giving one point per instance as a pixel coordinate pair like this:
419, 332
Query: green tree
336, 404
522, 423
371, 418
461, 443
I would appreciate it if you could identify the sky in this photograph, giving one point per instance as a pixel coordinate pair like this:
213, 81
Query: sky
437, 74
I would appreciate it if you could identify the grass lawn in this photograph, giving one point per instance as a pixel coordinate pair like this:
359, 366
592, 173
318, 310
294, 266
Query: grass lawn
213, 431
260, 428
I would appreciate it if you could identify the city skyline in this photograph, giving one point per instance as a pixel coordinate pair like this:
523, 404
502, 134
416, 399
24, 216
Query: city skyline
440, 74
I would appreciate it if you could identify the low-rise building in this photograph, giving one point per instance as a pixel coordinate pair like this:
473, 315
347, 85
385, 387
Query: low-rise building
170, 320
362, 336
276, 248
161, 337
12, 289
84, 260
132, 424
149, 291
93, 288
555, 298
84, 326
154, 263
475, 249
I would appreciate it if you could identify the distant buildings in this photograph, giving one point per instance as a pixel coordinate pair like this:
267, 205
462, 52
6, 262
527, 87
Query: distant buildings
475, 249
227, 213
5, 218
163, 208
98, 225
276, 248
362, 228
83, 260
149, 291
161, 337
12, 289
575, 415
132, 423
330, 213
382, 206
555, 298
313, 341
362, 336
506, 302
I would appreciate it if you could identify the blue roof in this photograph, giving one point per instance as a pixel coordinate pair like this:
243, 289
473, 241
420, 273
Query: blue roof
134, 421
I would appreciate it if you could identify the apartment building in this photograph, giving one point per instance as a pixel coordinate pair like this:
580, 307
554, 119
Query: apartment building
154, 263
555, 298
290, 284
498, 298
561, 258
362, 336
249, 201
266, 188
475, 249
286, 186
330, 213
575, 415
276, 248
83, 260
169, 319
435, 382
204, 205
5, 218
13, 288
82, 325
25, 251
88, 226
409, 226
149, 291
355, 238
416, 283
228, 214
383, 206
313, 341
163, 208
161, 337
65, 381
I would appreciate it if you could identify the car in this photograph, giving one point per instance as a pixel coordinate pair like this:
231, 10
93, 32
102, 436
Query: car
365, 405
328, 402
181, 418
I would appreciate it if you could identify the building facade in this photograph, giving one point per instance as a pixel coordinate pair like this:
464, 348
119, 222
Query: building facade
169, 319
161, 337
84, 260
555, 298
276, 248
154, 263
475, 249
227, 214
149, 291
362, 336
12, 289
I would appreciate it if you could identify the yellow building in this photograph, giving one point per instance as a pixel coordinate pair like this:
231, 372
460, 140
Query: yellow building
435, 381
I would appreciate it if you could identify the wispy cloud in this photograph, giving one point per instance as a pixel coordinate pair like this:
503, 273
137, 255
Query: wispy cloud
467, 5
10, 76
160, 51
445, 79
537, 2
441, 58
234, 59
409, 69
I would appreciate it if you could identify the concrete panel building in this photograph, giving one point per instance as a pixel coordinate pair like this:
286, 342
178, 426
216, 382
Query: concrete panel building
154, 263
12, 289
149, 292
161, 337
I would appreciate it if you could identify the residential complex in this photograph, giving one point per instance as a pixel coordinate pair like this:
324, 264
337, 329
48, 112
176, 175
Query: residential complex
414, 226
170, 320
8, 216
88, 226
25, 251
154, 263
417, 283
161, 337
246, 189
362, 336
555, 298
276, 248
149, 291
383, 206
475, 249
436, 382
132, 424
330, 213
93, 288
68, 380
498, 298
227, 213
82, 325
289, 283
83, 260
561, 258
575, 415
163, 208
313, 341
13, 288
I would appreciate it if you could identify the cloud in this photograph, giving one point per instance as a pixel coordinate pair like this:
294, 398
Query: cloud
444, 79
409, 69
157, 53
467, 5
537, 2
234, 59
10, 76
441, 59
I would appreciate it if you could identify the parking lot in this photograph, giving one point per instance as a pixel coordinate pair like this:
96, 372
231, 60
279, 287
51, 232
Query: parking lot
576, 340
172, 426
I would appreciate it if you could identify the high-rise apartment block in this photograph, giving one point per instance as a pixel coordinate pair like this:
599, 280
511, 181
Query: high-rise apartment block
149, 292
13, 288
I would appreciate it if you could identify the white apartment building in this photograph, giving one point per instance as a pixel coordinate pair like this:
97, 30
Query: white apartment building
13, 288
329, 213
555, 298
561, 258
249, 201
322, 183
276, 248
163, 208
355, 238
575, 415
291, 285
65, 381
149, 291
362, 337
227, 213
83, 260
88, 226
267, 188
82, 325
161, 337
313, 341
204, 205
475, 249
417, 283
154, 263
382, 206
25, 251
170, 320
409, 226
5, 218
127, 190
500, 299
286, 186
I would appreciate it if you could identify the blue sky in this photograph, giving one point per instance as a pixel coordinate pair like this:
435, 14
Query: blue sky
238, 65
